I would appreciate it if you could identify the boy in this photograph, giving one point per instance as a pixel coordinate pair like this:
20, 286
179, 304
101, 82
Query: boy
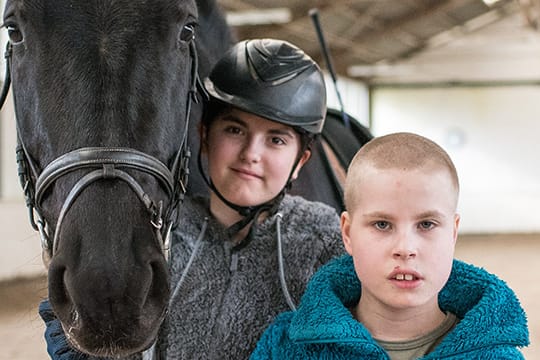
401, 295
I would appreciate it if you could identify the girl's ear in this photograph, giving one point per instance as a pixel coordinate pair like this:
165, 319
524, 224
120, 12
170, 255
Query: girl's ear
305, 157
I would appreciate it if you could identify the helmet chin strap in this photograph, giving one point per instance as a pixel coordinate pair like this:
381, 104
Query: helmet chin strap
250, 214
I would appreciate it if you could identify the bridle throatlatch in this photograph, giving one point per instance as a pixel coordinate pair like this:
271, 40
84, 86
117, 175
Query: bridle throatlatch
106, 163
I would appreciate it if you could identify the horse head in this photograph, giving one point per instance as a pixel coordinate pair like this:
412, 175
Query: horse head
102, 91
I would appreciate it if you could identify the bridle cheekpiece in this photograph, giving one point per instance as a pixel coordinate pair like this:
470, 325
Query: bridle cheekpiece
107, 163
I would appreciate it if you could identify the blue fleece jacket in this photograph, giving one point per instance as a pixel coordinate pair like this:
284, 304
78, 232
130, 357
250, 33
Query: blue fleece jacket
493, 325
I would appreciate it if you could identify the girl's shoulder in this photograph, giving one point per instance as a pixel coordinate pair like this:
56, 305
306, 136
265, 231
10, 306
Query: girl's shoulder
299, 205
309, 217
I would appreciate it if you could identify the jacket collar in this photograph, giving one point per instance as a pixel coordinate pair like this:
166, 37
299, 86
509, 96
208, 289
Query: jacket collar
489, 309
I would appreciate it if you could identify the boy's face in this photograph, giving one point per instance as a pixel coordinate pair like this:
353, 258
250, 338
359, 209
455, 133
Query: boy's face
401, 233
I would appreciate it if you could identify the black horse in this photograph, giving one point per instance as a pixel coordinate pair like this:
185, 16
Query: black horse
103, 92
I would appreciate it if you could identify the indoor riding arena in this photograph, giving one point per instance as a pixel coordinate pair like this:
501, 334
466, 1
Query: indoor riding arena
464, 74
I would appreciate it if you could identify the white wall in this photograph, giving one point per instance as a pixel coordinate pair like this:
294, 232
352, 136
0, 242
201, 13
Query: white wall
355, 97
20, 250
492, 134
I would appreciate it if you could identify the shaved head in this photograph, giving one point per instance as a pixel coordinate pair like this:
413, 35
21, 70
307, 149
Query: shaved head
401, 151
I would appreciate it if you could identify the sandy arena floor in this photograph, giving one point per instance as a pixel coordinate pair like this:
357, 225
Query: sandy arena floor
514, 258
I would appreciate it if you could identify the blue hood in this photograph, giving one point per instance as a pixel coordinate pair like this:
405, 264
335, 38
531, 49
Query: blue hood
490, 313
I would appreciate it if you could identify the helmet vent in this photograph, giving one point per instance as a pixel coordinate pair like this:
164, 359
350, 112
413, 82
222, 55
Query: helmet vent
276, 62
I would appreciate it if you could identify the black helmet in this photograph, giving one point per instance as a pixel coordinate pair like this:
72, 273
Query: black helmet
272, 79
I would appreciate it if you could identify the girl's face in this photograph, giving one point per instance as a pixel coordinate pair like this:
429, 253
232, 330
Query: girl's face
249, 157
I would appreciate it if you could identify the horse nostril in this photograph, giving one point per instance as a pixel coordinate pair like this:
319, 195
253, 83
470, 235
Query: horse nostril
159, 284
57, 285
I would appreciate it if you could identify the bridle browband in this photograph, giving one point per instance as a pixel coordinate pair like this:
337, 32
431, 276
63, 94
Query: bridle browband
107, 163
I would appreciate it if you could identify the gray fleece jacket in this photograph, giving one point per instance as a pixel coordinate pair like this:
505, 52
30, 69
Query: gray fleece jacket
224, 298
227, 297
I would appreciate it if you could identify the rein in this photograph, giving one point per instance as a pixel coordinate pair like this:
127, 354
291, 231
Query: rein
107, 163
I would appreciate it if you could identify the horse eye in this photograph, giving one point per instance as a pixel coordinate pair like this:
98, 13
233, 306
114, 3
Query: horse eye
15, 35
188, 33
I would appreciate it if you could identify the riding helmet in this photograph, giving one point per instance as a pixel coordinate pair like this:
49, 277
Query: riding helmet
273, 79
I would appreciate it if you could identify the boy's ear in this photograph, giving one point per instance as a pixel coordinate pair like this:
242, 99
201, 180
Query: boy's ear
345, 223
457, 218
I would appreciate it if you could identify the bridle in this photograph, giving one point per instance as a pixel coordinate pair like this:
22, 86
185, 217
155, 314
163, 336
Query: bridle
106, 163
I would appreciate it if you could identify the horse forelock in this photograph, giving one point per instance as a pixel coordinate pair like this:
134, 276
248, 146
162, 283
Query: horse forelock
118, 67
